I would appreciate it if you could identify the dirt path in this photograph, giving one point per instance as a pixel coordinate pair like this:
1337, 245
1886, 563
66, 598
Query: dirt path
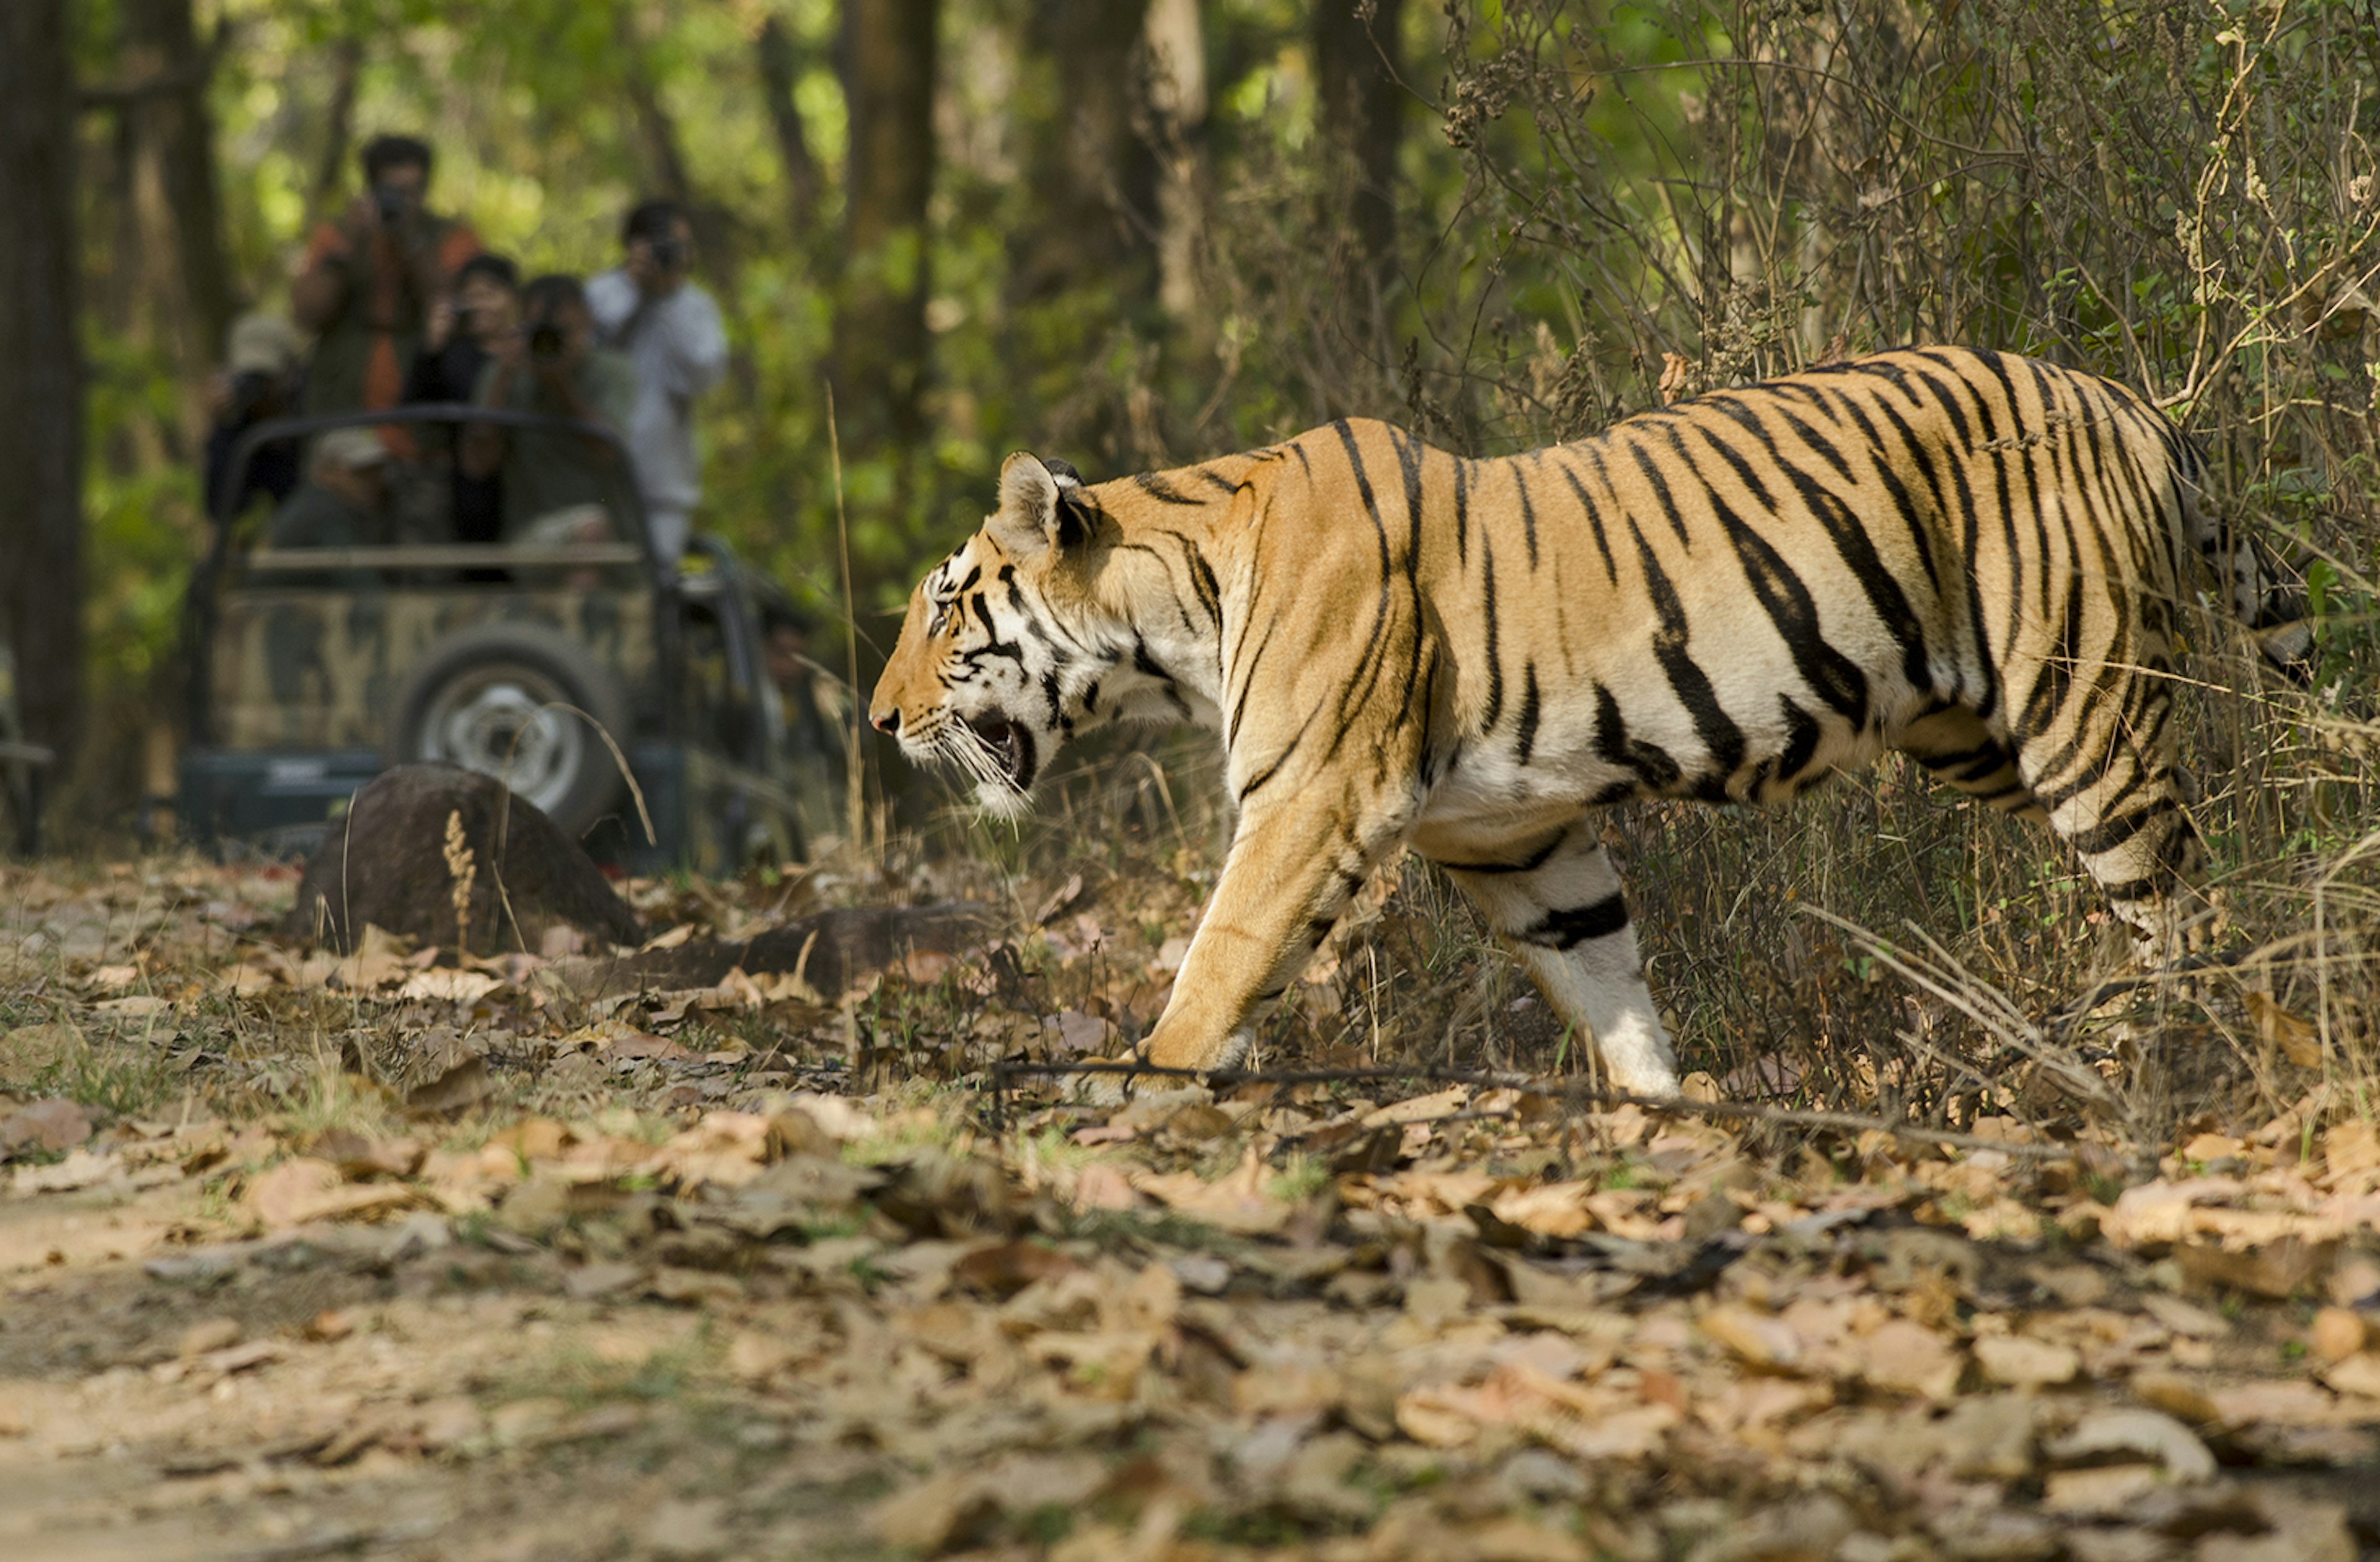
418, 1266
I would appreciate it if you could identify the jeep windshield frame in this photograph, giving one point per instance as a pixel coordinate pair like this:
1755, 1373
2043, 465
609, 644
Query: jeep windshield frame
272, 431
634, 550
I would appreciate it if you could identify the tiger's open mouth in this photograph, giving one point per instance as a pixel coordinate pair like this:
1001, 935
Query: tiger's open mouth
1010, 745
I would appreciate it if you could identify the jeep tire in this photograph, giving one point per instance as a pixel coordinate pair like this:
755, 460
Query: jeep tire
515, 701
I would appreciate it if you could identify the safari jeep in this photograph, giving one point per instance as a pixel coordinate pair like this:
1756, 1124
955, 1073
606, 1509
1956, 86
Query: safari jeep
634, 704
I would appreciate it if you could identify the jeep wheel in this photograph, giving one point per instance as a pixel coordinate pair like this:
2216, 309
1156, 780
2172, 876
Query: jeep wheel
515, 701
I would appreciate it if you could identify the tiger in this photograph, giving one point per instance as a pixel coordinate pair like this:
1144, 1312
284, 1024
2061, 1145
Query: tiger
1975, 558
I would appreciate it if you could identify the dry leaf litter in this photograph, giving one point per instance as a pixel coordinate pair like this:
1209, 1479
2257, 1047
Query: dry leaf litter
394, 1254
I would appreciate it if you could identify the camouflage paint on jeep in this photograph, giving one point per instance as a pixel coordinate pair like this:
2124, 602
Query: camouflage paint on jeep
316, 668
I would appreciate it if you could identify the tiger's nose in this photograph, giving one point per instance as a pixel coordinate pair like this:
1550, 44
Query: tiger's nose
886, 721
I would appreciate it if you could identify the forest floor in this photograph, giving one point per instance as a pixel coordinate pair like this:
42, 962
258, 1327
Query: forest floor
402, 1257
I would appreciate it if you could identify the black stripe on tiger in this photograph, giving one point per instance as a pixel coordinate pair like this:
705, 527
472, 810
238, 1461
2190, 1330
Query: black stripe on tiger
1721, 738
1164, 493
1567, 930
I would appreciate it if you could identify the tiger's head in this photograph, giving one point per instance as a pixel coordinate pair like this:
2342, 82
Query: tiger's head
994, 670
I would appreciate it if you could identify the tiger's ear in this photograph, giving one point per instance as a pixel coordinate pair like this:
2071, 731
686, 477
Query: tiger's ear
1030, 520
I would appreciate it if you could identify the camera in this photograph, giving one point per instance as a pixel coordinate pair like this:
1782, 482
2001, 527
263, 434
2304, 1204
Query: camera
669, 254
392, 204
545, 341
252, 390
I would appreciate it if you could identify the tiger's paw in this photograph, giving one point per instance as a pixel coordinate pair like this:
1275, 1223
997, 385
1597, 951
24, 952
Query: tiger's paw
1110, 1086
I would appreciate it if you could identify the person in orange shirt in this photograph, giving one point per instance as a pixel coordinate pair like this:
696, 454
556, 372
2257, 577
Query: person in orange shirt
371, 278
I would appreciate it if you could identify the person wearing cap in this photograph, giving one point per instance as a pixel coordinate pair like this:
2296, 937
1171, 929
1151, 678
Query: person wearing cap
345, 502
371, 277
263, 370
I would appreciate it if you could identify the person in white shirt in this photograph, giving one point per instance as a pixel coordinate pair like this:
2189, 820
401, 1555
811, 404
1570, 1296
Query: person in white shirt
669, 328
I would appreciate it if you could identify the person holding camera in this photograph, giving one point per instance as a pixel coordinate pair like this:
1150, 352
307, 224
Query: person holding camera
466, 328
648, 309
259, 381
557, 484
371, 278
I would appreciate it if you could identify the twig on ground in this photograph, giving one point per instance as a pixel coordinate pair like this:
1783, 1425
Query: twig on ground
998, 1076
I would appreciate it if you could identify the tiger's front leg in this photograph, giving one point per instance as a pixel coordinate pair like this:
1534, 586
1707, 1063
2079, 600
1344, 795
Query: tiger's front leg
1558, 906
1293, 868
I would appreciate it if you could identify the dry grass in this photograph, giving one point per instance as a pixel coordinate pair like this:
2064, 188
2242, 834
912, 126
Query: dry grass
1786, 947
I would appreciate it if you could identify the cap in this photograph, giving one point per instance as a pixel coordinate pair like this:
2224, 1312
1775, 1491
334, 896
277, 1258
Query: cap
264, 343
351, 448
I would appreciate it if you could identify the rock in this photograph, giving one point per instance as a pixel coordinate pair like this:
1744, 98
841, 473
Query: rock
388, 867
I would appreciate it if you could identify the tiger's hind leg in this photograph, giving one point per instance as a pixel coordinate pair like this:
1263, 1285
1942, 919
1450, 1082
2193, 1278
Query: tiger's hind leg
1958, 749
2113, 792
1559, 908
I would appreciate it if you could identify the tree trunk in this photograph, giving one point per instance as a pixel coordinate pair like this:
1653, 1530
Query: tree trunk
1095, 175
1359, 112
879, 336
339, 122
185, 275
774, 53
41, 372
1177, 133
714, 234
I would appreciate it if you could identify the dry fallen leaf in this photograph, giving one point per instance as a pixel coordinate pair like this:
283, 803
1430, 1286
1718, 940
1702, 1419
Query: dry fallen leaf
2299, 1038
52, 1125
1907, 1356
725, 1148
2359, 1373
1755, 1338
2023, 1362
2149, 1434
2338, 1332
80, 1169
1002, 1269
379, 959
447, 984
2350, 1147
641, 1044
302, 1189
460, 1088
